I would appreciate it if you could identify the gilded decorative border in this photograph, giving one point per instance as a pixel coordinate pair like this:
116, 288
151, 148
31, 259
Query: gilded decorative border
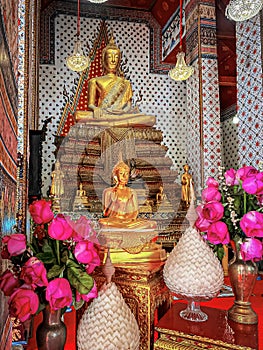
173, 336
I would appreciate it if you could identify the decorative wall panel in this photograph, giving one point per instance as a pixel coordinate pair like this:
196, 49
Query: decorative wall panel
160, 95
8, 130
250, 91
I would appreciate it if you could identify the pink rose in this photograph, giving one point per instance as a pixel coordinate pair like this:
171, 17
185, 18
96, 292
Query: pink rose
58, 293
251, 249
252, 224
41, 211
34, 273
230, 177
211, 193
246, 171
87, 297
86, 254
8, 283
254, 184
218, 233
83, 230
16, 244
60, 228
213, 211
202, 224
211, 182
23, 303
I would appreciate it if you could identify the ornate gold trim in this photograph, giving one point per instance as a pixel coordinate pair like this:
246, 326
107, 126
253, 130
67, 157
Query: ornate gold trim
172, 337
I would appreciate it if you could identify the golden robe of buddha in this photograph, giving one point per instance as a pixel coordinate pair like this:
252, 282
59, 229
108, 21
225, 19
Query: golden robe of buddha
120, 204
110, 95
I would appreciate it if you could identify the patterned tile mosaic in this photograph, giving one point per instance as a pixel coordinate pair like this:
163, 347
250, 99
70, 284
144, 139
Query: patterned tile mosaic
250, 91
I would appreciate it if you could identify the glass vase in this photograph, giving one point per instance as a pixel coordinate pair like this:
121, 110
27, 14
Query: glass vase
51, 332
243, 275
193, 312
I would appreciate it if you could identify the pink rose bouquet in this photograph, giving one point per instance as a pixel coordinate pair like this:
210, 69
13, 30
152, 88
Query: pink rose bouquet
232, 211
54, 267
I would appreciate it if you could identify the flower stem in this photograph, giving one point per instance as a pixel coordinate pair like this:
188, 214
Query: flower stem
58, 251
245, 203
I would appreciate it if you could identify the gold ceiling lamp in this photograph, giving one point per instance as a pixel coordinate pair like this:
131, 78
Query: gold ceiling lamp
78, 61
242, 10
181, 71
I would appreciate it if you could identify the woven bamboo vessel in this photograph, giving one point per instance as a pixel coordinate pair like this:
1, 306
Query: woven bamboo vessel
108, 323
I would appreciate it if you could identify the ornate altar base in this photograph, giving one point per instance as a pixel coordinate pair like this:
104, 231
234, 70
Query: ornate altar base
145, 293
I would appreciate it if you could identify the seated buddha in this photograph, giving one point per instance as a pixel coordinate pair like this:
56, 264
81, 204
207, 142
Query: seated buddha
129, 237
121, 205
110, 96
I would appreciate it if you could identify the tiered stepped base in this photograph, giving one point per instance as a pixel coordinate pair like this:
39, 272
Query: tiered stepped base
85, 160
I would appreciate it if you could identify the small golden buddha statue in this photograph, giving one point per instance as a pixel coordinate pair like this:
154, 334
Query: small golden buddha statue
110, 95
162, 202
57, 185
187, 184
81, 200
121, 205
128, 236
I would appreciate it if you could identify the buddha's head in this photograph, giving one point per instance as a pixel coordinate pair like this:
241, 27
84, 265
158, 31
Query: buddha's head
111, 57
121, 173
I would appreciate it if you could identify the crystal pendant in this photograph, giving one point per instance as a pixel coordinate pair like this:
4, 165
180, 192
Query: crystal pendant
181, 70
77, 61
242, 10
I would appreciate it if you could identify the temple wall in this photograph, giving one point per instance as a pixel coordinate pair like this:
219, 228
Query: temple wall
160, 95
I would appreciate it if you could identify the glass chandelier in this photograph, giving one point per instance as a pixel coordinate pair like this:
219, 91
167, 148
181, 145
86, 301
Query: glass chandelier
242, 10
78, 61
181, 71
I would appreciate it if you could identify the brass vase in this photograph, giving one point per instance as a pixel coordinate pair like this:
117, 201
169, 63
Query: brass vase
51, 333
243, 275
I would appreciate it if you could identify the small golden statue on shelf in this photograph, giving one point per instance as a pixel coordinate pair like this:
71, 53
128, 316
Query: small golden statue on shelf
110, 96
187, 184
57, 185
81, 200
120, 203
162, 202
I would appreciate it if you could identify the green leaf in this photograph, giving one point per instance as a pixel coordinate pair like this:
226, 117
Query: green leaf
78, 278
47, 248
46, 258
79, 304
64, 256
55, 271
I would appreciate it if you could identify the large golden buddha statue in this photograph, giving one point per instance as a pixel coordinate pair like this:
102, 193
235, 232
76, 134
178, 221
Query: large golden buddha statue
121, 205
110, 96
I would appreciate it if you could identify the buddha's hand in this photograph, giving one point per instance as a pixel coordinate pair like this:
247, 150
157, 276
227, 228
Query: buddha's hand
97, 113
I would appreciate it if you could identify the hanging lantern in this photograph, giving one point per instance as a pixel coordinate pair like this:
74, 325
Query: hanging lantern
242, 10
78, 61
181, 71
